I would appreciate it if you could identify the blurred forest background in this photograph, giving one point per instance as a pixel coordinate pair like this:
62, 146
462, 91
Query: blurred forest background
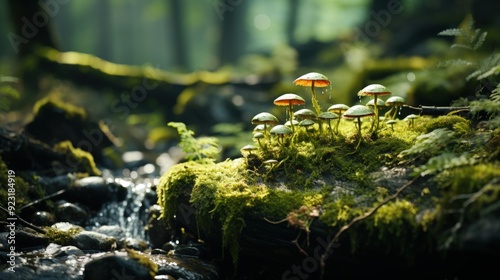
214, 64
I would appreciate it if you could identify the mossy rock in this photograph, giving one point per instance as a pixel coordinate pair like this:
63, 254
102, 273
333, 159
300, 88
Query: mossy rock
320, 183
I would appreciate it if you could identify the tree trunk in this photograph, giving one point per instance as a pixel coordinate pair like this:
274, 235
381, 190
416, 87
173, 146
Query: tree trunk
178, 38
32, 25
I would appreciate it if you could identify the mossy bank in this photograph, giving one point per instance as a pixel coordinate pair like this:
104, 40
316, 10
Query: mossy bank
321, 178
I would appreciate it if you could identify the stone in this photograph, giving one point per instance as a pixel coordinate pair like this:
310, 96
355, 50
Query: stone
113, 266
93, 241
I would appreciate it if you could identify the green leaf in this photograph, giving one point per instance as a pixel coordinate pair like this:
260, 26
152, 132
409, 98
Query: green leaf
451, 32
480, 41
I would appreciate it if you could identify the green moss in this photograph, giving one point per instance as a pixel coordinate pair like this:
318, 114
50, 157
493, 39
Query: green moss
77, 157
326, 171
61, 237
21, 189
458, 124
53, 104
144, 261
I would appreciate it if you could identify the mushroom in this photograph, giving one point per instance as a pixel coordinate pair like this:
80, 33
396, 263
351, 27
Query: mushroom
391, 123
328, 116
357, 112
374, 90
306, 124
411, 119
396, 102
266, 119
247, 150
280, 131
289, 123
305, 114
258, 136
271, 163
313, 79
338, 109
259, 128
289, 99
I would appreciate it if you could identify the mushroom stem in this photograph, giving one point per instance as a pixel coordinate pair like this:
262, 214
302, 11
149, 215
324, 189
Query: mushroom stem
359, 133
330, 127
315, 103
337, 126
376, 119
395, 114
291, 115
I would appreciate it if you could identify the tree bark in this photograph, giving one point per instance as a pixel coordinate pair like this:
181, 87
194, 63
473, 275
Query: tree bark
32, 26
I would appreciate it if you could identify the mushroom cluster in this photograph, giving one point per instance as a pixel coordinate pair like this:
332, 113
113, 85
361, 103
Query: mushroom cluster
268, 126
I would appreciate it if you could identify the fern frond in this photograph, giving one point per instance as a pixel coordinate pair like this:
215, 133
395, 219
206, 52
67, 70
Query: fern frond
444, 161
492, 71
455, 62
455, 32
480, 40
473, 75
495, 94
461, 46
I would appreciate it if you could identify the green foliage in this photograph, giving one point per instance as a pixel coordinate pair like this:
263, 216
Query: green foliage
467, 37
7, 93
430, 143
78, 157
61, 237
201, 149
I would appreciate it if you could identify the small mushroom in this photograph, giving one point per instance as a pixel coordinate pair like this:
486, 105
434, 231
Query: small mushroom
357, 112
271, 163
280, 131
289, 100
374, 90
247, 150
411, 119
259, 128
328, 116
391, 123
396, 102
306, 124
338, 109
258, 136
305, 114
265, 118
313, 79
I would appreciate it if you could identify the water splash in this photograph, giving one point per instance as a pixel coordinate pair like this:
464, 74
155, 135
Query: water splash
131, 213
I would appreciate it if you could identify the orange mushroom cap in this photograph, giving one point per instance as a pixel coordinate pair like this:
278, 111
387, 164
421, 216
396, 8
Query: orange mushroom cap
288, 99
307, 80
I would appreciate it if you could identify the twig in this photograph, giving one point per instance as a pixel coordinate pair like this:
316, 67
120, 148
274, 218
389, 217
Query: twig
27, 224
357, 219
42, 199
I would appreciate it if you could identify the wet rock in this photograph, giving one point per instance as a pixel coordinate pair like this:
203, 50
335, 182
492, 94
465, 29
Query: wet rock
115, 231
94, 191
114, 266
185, 268
27, 239
136, 244
55, 183
93, 241
157, 230
481, 237
65, 226
192, 250
43, 218
71, 213
56, 250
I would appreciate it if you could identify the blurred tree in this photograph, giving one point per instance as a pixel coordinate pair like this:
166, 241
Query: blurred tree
32, 25
178, 39
104, 42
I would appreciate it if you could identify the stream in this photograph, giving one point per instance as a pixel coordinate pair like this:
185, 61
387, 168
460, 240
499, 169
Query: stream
126, 220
